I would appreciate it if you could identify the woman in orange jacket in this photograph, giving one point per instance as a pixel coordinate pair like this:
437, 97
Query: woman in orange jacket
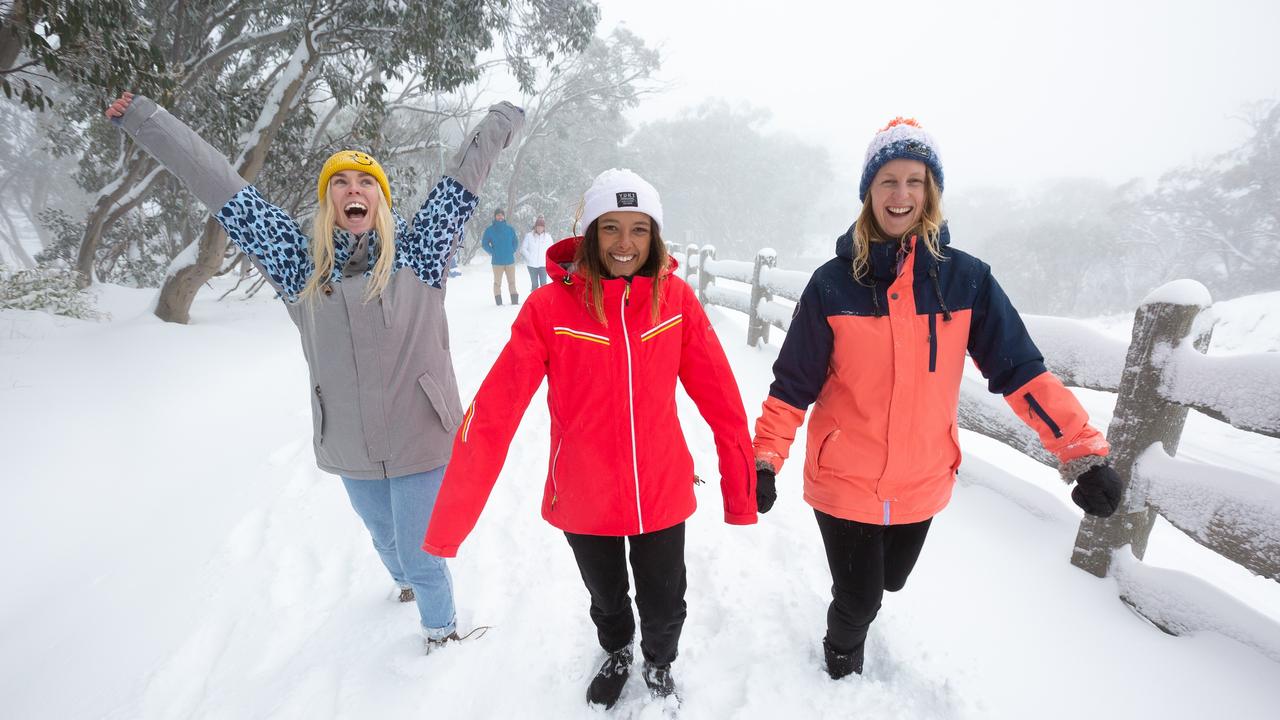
877, 346
611, 333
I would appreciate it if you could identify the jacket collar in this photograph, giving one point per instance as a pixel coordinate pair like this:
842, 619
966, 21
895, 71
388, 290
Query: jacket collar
884, 255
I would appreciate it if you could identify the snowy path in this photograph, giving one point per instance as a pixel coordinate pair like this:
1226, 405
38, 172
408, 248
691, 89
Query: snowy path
171, 551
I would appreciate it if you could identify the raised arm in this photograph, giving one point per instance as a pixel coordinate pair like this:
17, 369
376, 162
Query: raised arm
262, 230
437, 228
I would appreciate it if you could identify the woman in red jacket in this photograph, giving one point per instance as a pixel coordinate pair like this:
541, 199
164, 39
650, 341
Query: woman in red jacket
611, 333
877, 346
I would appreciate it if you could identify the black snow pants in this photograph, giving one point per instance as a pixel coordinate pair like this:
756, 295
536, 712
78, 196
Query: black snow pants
865, 560
657, 559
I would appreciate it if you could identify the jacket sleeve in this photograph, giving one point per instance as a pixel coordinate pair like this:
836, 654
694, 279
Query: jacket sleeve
480, 447
1003, 350
263, 231
798, 376
708, 379
486, 240
437, 228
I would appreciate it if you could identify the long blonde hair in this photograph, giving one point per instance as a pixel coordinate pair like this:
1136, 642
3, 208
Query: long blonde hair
587, 261
866, 230
322, 251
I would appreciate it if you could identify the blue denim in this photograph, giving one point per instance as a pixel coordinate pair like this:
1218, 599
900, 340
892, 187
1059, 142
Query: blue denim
396, 512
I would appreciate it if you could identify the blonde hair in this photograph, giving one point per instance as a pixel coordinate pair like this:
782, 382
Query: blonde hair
866, 230
322, 251
587, 262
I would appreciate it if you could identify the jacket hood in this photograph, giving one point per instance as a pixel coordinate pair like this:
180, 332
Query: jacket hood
560, 265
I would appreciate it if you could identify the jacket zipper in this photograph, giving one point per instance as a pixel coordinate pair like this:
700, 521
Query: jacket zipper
631, 404
933, 342
555, 460
320, 402
1035, 408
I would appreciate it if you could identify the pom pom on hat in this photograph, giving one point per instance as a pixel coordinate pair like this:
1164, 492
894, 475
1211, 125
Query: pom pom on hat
615, 190
902, 138
351, 160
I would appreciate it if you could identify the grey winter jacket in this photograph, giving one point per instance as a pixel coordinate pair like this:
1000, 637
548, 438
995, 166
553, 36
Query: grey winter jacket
384, 399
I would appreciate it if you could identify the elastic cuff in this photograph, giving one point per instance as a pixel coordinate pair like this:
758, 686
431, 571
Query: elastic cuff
444, 551
1074, 468
740, 518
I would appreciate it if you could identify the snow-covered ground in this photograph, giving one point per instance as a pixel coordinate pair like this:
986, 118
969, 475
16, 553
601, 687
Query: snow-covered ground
169, 550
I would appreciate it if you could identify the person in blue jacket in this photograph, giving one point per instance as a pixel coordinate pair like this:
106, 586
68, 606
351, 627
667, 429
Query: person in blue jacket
500, 242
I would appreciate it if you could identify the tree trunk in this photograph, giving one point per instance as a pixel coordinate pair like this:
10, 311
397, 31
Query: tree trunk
11, 34
182, 284
98, 219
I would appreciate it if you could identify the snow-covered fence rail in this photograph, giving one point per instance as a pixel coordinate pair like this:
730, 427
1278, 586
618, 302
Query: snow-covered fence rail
1160, 374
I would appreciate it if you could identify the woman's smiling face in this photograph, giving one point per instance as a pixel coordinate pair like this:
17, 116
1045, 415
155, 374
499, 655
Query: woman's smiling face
624, 238
897, 196
355, 197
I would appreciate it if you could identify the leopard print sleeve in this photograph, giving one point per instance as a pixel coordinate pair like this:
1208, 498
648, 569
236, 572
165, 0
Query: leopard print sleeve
267, 233
436, 231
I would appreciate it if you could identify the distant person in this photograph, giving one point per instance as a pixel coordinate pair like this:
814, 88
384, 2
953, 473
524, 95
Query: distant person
878, 342
500, 242
533, 249
366, 291
611, 335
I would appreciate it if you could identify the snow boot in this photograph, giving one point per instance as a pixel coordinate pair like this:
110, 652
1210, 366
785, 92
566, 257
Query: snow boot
606, 686
497, 299
515, 298
406, 594
430, 645
658, 678
842, 664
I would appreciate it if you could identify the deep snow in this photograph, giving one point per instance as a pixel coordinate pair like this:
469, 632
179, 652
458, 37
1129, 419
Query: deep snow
170, 551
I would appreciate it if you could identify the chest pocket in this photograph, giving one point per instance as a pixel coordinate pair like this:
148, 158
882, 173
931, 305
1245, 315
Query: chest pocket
660, 328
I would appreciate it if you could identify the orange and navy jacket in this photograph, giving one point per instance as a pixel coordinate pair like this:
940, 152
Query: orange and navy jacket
881, 363
618, 463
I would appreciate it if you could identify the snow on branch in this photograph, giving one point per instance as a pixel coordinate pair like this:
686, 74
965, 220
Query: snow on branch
1181, 604
1243, 390
1232, 513
1078, 354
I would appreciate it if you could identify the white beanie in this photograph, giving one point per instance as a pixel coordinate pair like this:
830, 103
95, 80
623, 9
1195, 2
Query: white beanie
616, 189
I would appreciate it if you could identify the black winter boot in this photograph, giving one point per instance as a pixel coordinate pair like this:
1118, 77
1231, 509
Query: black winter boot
606, 686
497, 299
842, 664
515, 298
659, 680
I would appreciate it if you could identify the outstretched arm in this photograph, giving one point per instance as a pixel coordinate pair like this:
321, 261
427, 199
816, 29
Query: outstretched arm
437, 228
262, 230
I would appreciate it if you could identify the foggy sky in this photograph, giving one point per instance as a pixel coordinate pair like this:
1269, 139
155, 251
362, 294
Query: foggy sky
1012, 91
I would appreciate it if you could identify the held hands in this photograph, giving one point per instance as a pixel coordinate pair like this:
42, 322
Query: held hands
1097, 489
117, 109
766, 490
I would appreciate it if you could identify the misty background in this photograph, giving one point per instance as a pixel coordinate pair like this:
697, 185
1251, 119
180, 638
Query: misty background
1093, 151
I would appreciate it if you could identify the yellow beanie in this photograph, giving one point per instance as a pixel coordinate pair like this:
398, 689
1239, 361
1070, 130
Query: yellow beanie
351, 160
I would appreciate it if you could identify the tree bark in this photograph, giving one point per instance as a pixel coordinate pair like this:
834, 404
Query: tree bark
99, 217
11, 34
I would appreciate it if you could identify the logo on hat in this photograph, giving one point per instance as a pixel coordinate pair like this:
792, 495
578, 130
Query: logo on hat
628, 199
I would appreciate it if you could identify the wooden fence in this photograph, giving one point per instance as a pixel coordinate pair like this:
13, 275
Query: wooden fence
1161, 374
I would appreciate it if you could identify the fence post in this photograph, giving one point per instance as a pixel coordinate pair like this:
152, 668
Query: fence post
708, 252
758, 329
691, 251
1141, 418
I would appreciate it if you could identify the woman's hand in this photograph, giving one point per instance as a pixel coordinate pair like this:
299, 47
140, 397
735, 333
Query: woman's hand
118, 108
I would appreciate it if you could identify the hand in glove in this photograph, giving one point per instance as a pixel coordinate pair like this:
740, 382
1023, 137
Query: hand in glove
766, 490
1097, 490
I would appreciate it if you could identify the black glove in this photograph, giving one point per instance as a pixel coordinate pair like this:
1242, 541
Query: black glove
766, 490
1097, 491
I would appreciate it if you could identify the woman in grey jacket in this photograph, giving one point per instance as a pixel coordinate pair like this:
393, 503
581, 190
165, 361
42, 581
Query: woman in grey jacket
366, 291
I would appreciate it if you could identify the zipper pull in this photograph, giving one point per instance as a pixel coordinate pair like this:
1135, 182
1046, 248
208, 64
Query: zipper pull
626, 295
554, 498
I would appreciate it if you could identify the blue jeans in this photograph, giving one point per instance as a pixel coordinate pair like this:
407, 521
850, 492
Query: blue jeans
396, 512
537, 277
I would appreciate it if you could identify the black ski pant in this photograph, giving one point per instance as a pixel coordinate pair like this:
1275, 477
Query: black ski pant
865, 560
657, 559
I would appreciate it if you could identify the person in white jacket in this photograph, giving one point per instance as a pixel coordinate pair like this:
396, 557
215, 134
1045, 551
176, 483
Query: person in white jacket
534, 251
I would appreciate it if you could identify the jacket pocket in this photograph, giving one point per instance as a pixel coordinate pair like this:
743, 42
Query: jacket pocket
826, 446
450, 416
933, 342
317, 415
555, 459
1044, 416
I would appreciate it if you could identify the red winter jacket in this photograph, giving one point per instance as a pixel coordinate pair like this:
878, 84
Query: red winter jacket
618, 463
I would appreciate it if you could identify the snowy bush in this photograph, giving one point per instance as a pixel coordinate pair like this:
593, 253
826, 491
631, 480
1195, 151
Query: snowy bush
50, 289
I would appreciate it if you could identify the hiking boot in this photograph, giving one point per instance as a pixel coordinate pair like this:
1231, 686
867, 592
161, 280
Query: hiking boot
515, 298
842, 664
497, 299
659, 680
430, 645
406, 595
606, 686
